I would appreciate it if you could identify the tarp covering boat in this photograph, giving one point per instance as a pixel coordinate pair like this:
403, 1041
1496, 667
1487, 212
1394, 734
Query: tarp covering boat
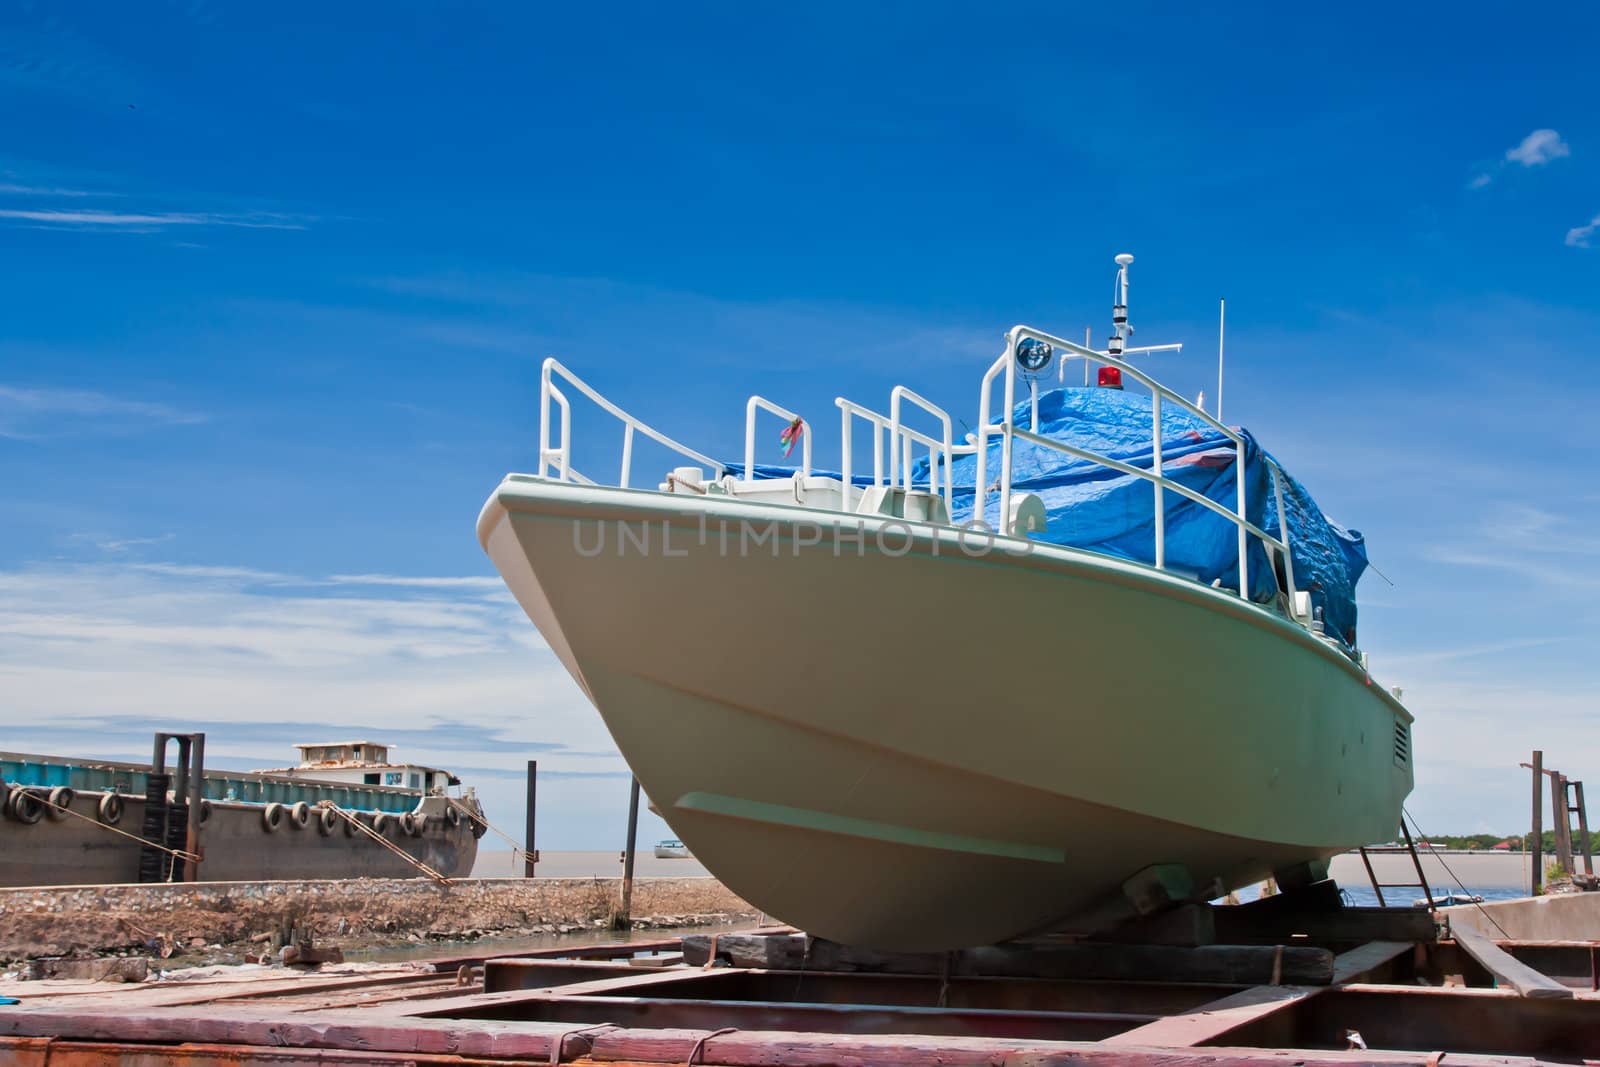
1093, 507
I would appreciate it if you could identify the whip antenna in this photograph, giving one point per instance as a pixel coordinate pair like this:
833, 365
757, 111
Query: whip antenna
1222, 318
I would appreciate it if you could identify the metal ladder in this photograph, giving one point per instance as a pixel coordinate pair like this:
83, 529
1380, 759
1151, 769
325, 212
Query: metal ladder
1416, 862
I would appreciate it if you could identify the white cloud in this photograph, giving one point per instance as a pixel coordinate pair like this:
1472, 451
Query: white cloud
27, 413
1480, 181
148, 220
1580, 236
122, 544
1538, 148
93, 657
14, 189
484, 584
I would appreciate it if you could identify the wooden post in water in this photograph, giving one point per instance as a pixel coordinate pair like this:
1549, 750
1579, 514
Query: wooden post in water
624, 917
1536, 839
1562, 819
530, 854
1583, 828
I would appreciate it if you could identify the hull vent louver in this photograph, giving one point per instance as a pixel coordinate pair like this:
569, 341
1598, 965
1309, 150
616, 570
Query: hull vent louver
1402, 744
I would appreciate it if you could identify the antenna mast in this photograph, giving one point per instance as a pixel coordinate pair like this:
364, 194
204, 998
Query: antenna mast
1222, 318
1119, 308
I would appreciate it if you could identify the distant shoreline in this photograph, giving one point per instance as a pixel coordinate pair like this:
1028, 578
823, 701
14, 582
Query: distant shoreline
1478, 868
594, 863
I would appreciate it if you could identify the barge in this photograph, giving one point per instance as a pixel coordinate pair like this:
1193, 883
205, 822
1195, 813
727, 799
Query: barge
345, 810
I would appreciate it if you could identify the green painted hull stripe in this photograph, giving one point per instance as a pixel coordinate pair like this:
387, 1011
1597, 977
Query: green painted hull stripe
824, 822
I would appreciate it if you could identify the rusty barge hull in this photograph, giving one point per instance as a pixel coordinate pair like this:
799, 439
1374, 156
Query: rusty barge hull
239, 846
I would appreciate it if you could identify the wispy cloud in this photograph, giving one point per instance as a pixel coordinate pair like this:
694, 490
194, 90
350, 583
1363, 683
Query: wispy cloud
27, 413
416, 583
13, 189
1538, 148
124, 543
1535, 150
1551, 549
1581, 236
147, 221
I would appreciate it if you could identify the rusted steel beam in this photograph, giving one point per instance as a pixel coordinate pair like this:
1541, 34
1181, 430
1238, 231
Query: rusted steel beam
1441, 1019
246, 1034
1230, 964
45, 1052
608, 950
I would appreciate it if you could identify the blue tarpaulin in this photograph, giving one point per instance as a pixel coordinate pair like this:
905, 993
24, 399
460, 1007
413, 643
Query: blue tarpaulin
1093, 507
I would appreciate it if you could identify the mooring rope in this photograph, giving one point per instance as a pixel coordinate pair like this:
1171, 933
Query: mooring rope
350, 817
1435, 854
176, 853
516, 849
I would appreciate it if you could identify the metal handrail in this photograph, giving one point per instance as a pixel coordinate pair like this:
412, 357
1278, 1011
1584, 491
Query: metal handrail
760, 403
879, 424
562, 459
1009, 431
901, 439
898, 394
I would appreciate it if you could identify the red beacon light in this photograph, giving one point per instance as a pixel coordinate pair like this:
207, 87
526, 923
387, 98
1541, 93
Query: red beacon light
1110, 378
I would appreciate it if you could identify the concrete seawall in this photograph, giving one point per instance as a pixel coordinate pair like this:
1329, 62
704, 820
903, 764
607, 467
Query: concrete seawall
86, 919
1562, 917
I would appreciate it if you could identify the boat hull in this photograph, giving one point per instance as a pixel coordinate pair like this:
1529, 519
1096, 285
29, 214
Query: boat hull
892, 737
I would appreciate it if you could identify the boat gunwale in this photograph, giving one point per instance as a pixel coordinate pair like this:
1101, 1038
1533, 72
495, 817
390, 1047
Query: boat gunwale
561, 499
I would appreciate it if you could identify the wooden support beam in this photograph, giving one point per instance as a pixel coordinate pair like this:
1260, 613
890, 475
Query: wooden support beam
1246, 924
1209, 1022
1507, 969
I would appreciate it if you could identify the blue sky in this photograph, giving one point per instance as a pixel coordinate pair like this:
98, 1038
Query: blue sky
278, 293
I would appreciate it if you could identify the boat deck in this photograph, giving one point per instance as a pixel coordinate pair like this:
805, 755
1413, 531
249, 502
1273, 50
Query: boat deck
1218, 985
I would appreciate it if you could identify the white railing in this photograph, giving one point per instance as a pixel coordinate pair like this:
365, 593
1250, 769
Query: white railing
900, 439
889, 431
561, 458
907, 436
1007, 364
879, 424
759, 403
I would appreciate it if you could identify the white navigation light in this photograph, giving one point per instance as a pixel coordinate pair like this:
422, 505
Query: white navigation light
1033, 355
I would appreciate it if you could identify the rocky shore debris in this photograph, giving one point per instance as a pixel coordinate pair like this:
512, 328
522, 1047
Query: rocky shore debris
260, 921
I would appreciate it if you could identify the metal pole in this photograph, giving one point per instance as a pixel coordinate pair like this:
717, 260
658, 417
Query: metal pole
1583, 830
1536, 840
1373, 878
1411, 847
530, 854
197, 797
180, 793
624, 917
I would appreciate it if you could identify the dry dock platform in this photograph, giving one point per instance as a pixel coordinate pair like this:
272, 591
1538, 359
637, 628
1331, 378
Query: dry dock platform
1250, 985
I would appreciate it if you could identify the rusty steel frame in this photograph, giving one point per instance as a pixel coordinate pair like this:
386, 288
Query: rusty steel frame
583, 1005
